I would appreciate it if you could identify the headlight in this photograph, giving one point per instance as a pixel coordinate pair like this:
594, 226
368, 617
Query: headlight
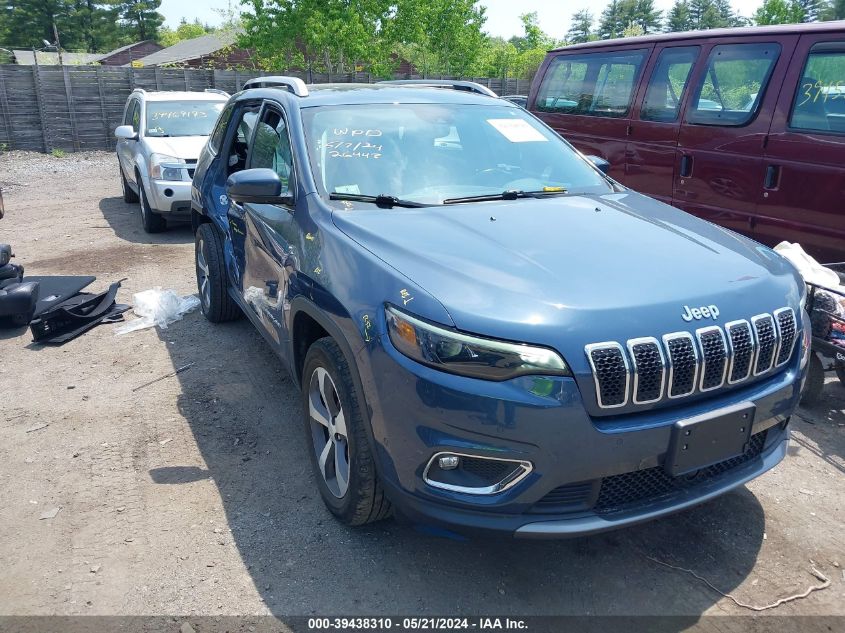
159, 172
473, 356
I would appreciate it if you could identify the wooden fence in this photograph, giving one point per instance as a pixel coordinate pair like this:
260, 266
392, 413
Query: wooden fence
75, 108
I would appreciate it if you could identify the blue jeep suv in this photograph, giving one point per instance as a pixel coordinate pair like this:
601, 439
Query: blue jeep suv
489, 333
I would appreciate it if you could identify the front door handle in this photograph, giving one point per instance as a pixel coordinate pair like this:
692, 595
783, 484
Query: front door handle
772, 179
686, 166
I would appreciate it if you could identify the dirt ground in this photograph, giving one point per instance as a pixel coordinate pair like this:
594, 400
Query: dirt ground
194, 495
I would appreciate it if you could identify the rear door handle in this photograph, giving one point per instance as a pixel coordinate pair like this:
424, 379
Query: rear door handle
686, 166
772, 179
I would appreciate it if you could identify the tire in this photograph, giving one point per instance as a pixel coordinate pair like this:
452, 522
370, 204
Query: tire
337, 437
216, 304
129, 196
815, 382
152, 222
840, 371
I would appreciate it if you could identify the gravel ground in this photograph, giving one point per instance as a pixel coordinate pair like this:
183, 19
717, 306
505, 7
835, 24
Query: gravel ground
194, 495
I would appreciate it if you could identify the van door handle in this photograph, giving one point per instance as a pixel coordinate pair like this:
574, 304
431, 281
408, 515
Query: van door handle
686, 166
772, 179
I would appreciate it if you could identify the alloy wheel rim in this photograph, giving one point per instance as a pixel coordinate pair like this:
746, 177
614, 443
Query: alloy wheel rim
202, 275
328, 432
141, 201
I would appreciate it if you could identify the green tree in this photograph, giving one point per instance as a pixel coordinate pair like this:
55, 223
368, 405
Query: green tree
611, 22
94, 25
679, 17
642, 14
834, 11
185, 31
581, 28
27, 23
140, 18
813, 9
779, 12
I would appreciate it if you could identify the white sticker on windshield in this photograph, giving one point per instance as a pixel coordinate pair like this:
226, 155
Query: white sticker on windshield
353, 189
517, 130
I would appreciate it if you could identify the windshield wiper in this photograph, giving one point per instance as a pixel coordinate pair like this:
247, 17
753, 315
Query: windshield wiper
510, 194
382, 200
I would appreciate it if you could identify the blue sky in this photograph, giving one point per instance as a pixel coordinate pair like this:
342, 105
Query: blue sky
502, 15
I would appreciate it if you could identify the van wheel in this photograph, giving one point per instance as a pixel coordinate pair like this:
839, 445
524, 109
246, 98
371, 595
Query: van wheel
216, 304
840, 371
815, 382
153, 222
336, 436
128, 194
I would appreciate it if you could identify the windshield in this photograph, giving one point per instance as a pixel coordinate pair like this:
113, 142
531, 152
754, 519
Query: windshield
182, 118
429, 153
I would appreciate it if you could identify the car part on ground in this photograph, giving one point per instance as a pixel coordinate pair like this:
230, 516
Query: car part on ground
73, 317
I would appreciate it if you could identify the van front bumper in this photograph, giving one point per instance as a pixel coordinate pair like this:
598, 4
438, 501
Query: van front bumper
418, 412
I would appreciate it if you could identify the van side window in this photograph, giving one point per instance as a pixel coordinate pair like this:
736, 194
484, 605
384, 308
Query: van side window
732, 86
596, 84
668, 84
820, 98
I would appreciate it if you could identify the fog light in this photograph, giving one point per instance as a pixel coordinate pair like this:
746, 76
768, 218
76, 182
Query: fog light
449, 462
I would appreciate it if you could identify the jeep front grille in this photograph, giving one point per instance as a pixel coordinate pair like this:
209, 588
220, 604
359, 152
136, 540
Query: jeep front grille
648, 370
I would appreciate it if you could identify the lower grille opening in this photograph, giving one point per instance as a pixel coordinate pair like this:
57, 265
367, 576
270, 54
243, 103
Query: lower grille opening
568, 498
619, 491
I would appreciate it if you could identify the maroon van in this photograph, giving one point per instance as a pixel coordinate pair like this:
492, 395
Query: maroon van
744, 127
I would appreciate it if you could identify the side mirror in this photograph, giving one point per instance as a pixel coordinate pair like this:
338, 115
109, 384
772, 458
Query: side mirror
259, 186
126, 132
602, 165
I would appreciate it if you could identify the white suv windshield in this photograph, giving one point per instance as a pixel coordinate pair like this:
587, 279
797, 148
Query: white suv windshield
182, 118
429, 153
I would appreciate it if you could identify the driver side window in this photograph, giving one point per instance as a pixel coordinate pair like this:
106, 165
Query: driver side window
271, 147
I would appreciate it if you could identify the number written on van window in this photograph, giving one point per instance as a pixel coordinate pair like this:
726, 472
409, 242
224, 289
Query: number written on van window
820, 97
731, 87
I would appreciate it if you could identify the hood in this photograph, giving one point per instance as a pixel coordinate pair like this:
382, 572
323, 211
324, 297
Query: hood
186, 147
573, 270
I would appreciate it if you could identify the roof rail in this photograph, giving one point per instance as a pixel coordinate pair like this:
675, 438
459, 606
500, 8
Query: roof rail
217, 91
293, 85
141, 90
453, 84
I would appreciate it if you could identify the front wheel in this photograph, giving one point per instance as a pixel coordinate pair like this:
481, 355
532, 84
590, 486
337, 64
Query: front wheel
128, 195
336, 436
216, 304
153, 222
815, 381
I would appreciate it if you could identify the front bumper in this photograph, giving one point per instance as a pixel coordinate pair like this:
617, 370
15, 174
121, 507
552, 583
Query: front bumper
171, 197
417, 412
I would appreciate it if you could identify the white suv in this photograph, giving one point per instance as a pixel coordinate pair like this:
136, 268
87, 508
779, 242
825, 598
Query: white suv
158, 146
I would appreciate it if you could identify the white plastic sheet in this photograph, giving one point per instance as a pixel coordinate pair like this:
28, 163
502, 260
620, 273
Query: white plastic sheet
158, 307
810, 269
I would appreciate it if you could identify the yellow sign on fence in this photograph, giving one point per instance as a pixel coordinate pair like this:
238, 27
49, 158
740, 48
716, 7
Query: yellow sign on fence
137, 64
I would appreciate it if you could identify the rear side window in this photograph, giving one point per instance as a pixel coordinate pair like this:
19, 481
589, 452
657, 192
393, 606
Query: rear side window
668, 84
133, 115
732, 85
596, 84
271, 147
820, 98
220, 129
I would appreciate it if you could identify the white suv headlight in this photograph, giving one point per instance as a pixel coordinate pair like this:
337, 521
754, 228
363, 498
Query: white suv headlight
160, 171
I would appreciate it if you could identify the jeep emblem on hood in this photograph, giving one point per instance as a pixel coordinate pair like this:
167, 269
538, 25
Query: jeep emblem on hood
702, 312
